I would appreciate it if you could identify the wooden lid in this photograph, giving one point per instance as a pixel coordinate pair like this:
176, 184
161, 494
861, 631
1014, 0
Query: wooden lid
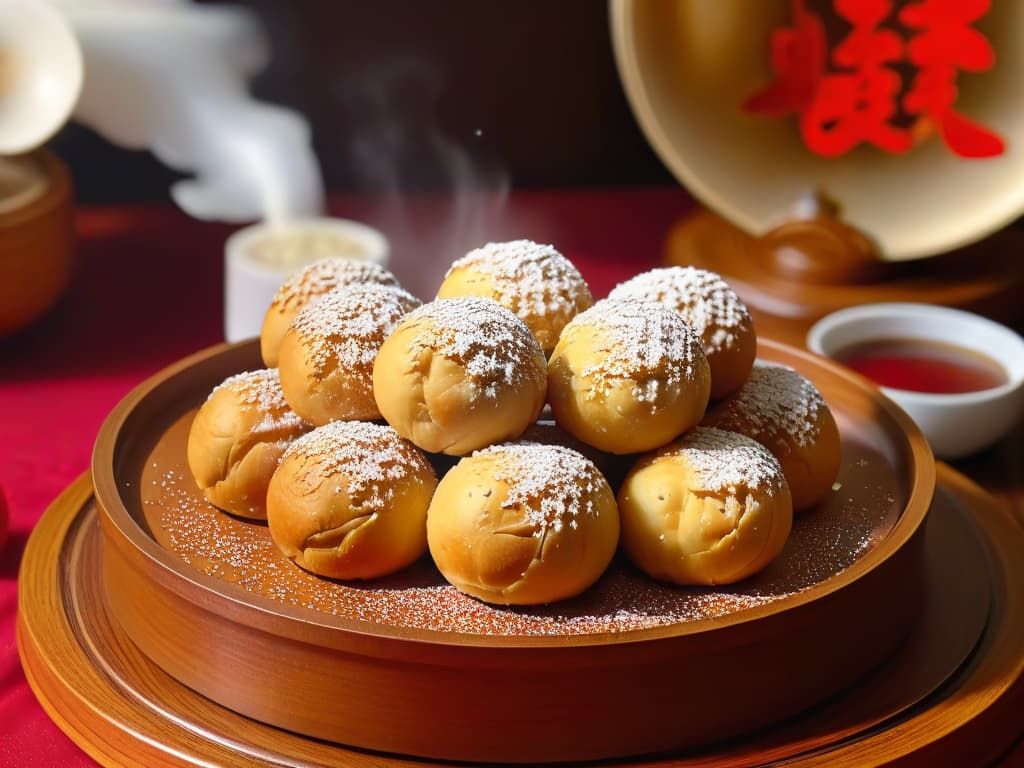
787, 295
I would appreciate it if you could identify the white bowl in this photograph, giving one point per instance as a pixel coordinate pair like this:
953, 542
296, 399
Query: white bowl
259, 258
956, 425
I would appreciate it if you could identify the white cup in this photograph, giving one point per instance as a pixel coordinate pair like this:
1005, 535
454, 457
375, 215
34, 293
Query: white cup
259, 258
956, 425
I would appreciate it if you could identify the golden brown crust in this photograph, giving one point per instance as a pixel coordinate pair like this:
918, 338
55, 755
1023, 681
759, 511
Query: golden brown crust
326, 357
460, 374
523, 523
306, 286
237, 438
349, 501
711, 508
783, 410
715, 311
627, 377
535, 282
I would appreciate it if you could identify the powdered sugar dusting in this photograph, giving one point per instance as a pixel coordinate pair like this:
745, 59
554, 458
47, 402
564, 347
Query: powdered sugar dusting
707, 302
261, 390
369, 457
776, 400
530, 278
555, 486
346, 327
323, 276
725, 461
241, 553
494, 346
639, 341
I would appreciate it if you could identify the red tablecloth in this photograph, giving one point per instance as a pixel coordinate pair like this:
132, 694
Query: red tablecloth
148, 290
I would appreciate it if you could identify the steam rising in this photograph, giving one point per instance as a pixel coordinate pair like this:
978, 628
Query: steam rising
399, 147
172, 77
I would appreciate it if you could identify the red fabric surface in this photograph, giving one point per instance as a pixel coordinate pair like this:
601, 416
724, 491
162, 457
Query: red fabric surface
148, 290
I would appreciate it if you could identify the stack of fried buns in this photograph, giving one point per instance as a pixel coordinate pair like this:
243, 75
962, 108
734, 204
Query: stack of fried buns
515, 430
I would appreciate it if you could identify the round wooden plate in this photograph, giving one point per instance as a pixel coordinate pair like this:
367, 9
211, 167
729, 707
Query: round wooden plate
409, 666
922, 707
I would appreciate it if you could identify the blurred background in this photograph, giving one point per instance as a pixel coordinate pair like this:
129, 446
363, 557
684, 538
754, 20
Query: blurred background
422, 97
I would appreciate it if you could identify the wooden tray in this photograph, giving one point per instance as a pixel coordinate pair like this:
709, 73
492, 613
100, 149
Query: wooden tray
925, 706
364, 666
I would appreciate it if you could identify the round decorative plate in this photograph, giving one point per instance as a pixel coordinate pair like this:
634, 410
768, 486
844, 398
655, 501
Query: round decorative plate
408, 665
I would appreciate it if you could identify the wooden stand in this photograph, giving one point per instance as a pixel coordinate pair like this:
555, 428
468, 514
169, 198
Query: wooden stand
952, 694
788, 287
376, 666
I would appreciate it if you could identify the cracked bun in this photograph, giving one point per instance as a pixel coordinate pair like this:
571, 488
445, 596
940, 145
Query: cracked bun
535, 282
783, 410
628, 376
710, 508
349, 501
523, 524
460, 374
717, 314
306, 286
237, 438
326, 356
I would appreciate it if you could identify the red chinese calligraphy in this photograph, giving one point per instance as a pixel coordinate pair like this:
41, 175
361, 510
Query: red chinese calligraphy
856, 105
798, 61
946, 43
856, 102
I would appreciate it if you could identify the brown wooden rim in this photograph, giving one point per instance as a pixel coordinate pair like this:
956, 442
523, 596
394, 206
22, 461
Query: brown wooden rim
259, 612
57, 194
959, 727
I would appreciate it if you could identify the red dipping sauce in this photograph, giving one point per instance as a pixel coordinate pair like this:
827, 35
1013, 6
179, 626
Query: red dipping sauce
921, 365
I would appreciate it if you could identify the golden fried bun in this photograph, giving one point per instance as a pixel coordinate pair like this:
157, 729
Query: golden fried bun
785, 412
460, 374
237, 438
714, 310
307, 285
628, 376
349, 501
522, 524
710, 508
534, 281
547, 432
326, 357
